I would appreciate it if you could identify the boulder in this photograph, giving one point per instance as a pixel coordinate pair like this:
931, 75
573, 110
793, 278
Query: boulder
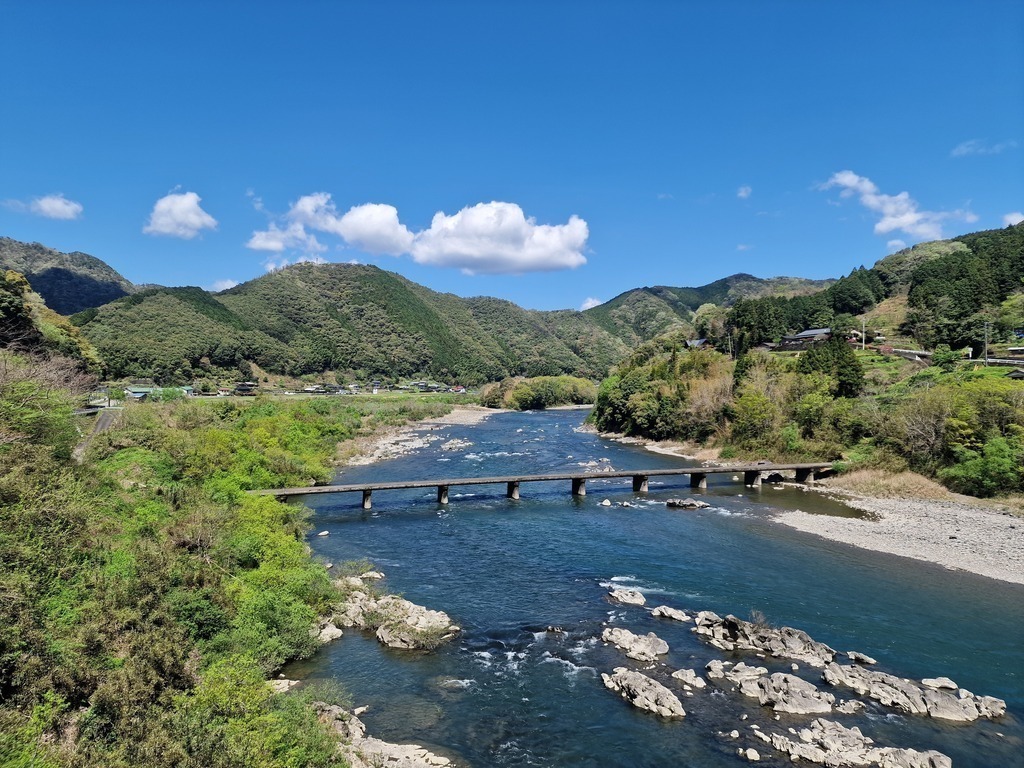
328, 631
787, 693
671, 613
731, 634
628, 596
643, 692
362, 751
741, 673
940, 682
913, 698
830, 743
281, 685
407, 625
860, 658
640, 647
689, 677
687, 504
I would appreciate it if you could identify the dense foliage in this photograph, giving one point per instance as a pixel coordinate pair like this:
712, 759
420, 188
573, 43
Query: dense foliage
68, 282
954, 289
641, 314
145, 596
961, 425
357, 320
26, 321
538, 393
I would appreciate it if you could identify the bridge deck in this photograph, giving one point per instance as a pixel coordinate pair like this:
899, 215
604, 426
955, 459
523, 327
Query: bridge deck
807, 470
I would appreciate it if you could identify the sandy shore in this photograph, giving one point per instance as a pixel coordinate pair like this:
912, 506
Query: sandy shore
413, 437
952, 534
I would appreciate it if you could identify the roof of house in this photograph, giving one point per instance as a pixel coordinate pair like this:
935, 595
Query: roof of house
1016, 373
810, 333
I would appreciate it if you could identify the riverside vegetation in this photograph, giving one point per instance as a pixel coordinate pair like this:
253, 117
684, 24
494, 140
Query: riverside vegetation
144, 596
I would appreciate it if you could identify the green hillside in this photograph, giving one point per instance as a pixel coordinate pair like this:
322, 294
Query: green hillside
641, 314
68, 282
352, 319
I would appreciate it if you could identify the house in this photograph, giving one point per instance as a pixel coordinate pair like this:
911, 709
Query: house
800, 341
138, 393
458, 389
246, 388
1017, 374
698, 344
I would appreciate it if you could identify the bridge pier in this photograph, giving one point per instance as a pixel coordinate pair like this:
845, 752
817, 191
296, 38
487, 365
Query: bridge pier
808, 476
579, 486
442, 494
367, 502
698, 480
512, 490
640, 483
752, 479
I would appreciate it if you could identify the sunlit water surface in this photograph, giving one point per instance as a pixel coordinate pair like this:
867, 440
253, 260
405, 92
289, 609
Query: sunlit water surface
509, 693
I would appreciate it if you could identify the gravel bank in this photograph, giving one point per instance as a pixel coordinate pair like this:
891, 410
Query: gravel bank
951, 534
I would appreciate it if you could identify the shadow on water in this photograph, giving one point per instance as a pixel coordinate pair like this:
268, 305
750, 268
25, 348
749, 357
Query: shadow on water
508, 692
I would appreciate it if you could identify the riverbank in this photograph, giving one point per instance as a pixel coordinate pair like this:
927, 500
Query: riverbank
909, 516
954, 534
399, 441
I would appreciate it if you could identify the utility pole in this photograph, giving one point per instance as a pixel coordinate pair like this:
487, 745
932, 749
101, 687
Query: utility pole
986, 342
863, 333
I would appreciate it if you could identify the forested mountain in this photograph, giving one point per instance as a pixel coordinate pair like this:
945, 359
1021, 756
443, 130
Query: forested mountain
68, 282
348, 318
953, 289
641, 314
26, 323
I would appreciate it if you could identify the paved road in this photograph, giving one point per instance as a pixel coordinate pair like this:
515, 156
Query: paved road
105, 419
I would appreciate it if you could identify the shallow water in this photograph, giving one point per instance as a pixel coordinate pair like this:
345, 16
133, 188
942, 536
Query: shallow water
509, 693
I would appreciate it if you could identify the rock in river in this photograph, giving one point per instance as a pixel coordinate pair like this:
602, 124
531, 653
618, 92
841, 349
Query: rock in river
643, 692
830, 743
731, 634
640, 647
628, 596
788, 693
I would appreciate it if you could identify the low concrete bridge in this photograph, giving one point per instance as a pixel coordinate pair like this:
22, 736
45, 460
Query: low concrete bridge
752, 476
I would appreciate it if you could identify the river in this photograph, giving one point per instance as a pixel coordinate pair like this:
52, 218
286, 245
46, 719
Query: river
509, 693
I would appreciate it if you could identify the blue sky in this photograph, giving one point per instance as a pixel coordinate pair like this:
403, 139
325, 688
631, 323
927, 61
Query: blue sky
549, 153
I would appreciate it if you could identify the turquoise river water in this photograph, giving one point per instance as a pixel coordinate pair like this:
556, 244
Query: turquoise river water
509, 693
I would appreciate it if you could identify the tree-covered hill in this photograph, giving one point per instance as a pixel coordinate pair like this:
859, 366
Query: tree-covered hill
347, 318
954, 290
68, 282
640, 314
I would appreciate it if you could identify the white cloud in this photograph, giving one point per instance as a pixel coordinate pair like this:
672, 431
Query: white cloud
666, 196
54, 206
895, 245
179, 215
372, 228
744, 192
223, 285
487, 238
293, 237
498, 238
743, 247
981, 147
897, 212
1013, 218
590, 303
375, 228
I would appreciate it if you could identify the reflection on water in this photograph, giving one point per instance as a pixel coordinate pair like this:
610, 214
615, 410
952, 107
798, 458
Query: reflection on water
509, 692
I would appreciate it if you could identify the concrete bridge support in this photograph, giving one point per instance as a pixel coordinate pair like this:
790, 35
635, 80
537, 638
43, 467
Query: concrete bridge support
698, 480
367, 502
808, 476
640, 483
442, 494
579, 486
752, 479
512, 490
